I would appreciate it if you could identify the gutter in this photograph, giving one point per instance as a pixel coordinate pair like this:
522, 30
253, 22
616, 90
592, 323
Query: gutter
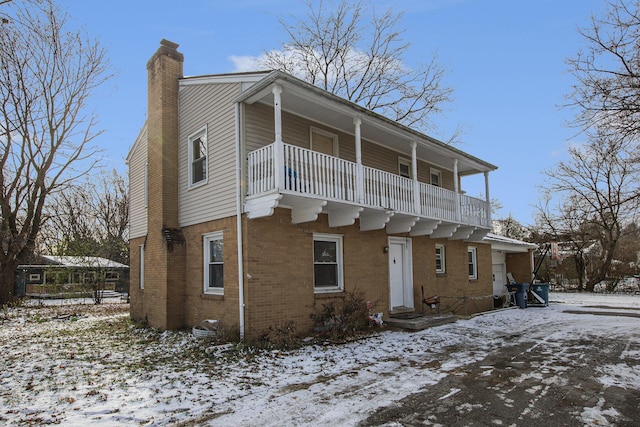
239, 223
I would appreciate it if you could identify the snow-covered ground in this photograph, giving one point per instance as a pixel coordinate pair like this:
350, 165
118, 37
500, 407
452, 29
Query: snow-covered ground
89, 365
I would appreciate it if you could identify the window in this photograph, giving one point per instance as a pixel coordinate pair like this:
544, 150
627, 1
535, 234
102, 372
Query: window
327, 263
436, 178
404, 167
111, 276
141, 266
213, 263
198, 157
440, 262
473, 263
35, 277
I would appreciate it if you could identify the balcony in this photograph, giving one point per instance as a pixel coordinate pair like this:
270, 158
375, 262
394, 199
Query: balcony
310, 183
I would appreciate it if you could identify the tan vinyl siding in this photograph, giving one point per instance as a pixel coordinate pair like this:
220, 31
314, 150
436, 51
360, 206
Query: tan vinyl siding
137, 202
259, 131
208, 105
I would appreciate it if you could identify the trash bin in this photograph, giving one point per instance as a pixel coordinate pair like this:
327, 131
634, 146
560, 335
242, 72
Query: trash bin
521, 290
540, 294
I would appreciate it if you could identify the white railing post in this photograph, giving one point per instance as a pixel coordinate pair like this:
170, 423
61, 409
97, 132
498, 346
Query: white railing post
486, 189
414, 174
456, 186
359, 169
278, 151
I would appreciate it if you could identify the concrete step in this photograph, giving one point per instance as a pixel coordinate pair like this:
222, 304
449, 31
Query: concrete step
419, 322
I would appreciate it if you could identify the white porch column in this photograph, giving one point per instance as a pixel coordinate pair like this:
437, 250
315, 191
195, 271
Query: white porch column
414, 175
456, 186
486, 191
278, 152
359, 168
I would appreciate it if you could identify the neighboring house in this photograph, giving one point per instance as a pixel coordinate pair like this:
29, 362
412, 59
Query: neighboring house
51, 275
256, 198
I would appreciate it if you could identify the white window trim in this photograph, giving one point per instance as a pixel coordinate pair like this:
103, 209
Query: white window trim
432, 172
202, 132
406, 162
339, 258
326, 133
35, 277
206, 238
443, 264
474, 260
141, 266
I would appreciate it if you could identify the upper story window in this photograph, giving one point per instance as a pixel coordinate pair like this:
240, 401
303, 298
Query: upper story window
213, 263
440, 259
436, 177
198, 157
472, 254
327, 263
324, 142
404, 167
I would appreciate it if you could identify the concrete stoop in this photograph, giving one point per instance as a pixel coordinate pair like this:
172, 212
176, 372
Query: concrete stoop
419, 322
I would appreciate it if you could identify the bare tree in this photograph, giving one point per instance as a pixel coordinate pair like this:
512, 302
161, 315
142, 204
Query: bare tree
359, 56
607, 70
598, 195
47, 73
89, 219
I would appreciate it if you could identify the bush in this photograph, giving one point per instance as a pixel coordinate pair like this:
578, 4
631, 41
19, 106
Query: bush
344, 317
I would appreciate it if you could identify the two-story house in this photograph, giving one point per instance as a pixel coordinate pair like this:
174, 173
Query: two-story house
257, 197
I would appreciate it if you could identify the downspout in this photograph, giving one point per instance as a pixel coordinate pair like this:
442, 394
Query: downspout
239, 223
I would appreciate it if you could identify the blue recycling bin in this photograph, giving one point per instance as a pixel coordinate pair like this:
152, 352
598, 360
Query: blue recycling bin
540, 294
520, 290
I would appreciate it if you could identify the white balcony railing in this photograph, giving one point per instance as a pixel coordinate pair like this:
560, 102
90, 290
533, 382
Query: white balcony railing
309, 172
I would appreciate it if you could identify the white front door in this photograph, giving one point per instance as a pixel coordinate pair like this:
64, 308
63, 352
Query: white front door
499, 279
400, 273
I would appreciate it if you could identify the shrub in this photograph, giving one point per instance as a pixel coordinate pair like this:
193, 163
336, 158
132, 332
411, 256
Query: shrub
344, 317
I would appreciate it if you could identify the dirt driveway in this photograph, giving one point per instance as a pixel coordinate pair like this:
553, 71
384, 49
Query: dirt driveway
543, 378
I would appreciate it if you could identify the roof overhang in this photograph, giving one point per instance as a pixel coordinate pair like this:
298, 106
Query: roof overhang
306, 100
508, 245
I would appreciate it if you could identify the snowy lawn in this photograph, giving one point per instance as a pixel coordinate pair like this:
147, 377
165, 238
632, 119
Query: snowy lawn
89, 365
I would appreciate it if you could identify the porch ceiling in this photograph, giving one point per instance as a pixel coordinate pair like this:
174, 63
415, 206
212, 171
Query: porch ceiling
303, 99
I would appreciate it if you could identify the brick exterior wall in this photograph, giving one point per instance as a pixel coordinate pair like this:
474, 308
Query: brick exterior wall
278, 267
163, 296
458, 294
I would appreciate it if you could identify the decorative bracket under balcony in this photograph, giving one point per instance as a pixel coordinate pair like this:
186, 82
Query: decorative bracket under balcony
424, 227
401, 224
262, 206
306, 210
374, 220
341, 216
444, 231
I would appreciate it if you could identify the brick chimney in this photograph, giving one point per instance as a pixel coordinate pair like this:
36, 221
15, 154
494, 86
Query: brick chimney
163, 298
